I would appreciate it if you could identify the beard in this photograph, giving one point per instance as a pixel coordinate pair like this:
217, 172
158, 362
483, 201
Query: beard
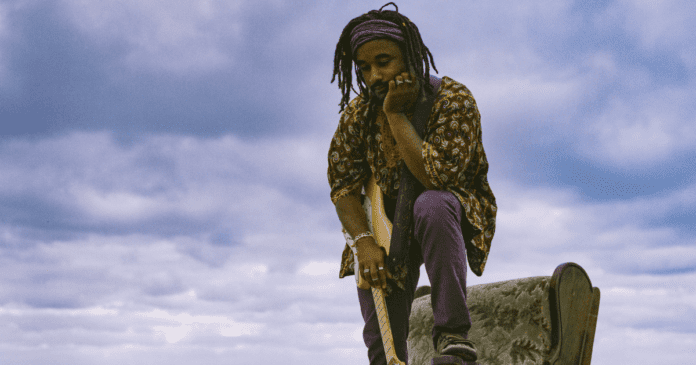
380, 91
378, 94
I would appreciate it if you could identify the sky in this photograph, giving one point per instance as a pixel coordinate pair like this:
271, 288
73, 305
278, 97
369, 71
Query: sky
163, 189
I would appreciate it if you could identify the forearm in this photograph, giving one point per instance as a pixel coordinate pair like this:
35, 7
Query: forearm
351, 214
410, 145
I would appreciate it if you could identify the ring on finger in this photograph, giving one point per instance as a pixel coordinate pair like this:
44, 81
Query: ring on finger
367, 270
381, 268
408, 81
399, 82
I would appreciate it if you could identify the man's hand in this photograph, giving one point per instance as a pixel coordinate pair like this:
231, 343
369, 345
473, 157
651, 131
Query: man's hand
402, 94
371, 257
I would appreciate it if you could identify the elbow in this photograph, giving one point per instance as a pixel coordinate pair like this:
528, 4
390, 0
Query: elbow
346, 199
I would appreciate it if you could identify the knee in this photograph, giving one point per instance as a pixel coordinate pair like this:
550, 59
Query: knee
435, 203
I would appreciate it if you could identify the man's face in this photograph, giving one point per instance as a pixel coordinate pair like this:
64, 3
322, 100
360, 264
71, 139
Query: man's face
380, 61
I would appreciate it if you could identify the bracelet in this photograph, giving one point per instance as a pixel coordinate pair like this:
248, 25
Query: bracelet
362, 235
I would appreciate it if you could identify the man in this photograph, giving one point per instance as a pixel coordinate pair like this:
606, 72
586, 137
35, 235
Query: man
450, 215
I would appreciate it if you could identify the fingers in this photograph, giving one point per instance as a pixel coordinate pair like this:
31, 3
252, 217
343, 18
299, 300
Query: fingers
371, 260
374, 276
366, 273
399, 80
361, 271
378, 277
382, 277
404, 79
374, 273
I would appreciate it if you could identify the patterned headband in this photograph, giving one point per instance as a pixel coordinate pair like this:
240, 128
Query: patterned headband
374, 29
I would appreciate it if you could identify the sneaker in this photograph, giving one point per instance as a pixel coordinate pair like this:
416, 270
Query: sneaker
456, 345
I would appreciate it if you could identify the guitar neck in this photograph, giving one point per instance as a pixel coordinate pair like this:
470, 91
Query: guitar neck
385, 328
381, 227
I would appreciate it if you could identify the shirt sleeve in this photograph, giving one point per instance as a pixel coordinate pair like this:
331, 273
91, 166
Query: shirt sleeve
348, 167
451, 143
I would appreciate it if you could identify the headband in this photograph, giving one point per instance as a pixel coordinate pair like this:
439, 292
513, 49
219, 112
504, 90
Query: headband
374, 29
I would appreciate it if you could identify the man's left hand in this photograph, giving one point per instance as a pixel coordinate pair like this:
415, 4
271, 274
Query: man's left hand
402, 94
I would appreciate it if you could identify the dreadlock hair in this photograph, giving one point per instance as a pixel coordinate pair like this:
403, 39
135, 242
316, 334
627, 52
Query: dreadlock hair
414, 51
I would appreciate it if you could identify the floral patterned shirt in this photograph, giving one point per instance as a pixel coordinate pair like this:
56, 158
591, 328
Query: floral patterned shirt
454, 161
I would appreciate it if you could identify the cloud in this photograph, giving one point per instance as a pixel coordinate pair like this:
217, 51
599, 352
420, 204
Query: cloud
534, 99
551, 224
570, 72
171, 185
112, 279
319, 268
128, 284
182, 324
664, 26
119, 246
4, 34
651, 127
176, 36
75, 65
9, 12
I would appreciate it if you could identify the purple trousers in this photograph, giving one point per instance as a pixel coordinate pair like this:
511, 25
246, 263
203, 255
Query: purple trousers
437, 217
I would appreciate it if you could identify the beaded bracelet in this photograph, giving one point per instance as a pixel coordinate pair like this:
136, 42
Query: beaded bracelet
362, 235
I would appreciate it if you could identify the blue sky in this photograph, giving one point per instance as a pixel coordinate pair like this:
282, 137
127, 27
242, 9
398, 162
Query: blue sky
163, 192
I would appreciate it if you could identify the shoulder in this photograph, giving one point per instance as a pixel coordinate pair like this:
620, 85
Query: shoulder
452, 89
355, 110
454, 96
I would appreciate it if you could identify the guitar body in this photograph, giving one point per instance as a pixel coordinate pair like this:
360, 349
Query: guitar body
377, 220
381, 229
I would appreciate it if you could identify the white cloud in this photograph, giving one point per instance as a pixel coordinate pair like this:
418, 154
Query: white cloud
319, 268
659, 25
127, 318
552, 226
513, 58
181, 325
647, 128
9, 11
539, 97
122, 296
176, 36
128, 287
510, 25
4, 34
102, 183
638, 345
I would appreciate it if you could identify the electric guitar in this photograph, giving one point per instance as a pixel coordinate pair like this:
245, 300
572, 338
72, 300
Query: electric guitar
381, 227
